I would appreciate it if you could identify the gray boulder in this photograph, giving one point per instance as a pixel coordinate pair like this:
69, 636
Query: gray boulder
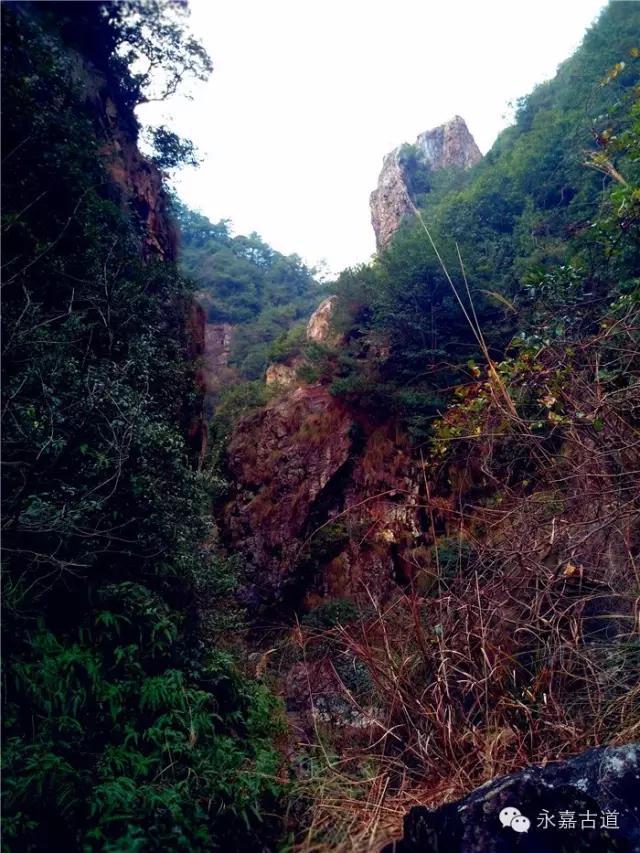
588, 803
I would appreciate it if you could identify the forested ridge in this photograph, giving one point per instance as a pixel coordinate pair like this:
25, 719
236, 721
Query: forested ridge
244, 282
411, 570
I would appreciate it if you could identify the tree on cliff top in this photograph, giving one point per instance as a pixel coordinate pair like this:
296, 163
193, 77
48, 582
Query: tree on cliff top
145, 45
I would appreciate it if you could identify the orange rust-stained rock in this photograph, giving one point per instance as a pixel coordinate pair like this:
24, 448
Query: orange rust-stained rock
135, 183
282, 458
138, 182
323, 502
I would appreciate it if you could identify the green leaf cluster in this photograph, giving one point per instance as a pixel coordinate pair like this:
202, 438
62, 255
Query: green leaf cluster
122, 729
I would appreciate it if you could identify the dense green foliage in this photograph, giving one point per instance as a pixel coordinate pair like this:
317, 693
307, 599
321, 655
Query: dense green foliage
243, 281
122, 729
511, 222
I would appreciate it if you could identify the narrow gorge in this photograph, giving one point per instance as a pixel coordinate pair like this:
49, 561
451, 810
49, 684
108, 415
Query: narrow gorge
310, 562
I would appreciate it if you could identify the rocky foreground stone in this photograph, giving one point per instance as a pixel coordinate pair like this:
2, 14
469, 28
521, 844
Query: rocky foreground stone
590, 804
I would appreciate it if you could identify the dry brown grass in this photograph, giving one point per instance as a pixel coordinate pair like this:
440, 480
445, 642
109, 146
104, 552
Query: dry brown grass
526, 649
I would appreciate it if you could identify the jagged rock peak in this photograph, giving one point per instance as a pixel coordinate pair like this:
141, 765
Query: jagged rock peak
449, 144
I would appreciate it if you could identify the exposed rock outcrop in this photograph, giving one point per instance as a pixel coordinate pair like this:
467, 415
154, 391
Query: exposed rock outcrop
319, 325
218, 338
138, 183
284, 375
324, 505
449, 145
135, 183
281, 461
601, 786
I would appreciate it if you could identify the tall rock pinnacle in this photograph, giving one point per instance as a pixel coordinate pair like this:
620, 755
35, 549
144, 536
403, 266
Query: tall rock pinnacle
450, 144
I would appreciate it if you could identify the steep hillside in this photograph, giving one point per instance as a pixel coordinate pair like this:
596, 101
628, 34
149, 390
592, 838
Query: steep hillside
446, 499
531, 266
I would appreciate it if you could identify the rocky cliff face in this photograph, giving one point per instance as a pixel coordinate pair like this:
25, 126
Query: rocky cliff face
216, 373
138, 185
135, 182
324, 504
449, 145
325, 501
285, 374
319, 325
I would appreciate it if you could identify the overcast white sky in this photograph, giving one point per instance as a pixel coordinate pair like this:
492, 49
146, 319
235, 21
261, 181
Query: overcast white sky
307, 96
